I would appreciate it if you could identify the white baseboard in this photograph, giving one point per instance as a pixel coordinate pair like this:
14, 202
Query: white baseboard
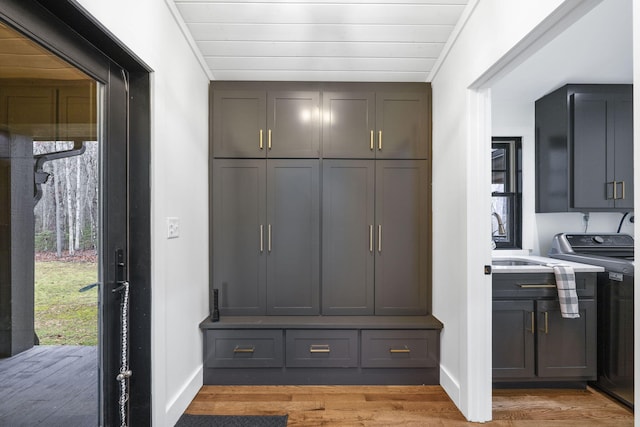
183, 398
450, 386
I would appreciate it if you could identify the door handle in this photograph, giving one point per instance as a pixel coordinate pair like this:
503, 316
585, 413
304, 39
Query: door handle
546, 322
379, 238
269, 237
261, 141
533, 322
379, 140
261, 238
371, 238
269, 139
371, 140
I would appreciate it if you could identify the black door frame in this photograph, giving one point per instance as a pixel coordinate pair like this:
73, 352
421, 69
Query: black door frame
64, 28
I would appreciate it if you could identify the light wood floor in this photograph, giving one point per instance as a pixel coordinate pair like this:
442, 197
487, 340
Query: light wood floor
408, 406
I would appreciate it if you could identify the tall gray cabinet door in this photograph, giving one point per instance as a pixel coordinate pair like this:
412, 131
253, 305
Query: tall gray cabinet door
513, 354
239, 123
348, 233
293, 237
401, 237
402, 121
293, 124
623, 151
348, 125
239, 252
590, 189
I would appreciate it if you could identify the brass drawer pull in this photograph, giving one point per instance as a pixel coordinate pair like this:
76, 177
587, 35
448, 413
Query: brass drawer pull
400, 350
239, 349
261, 140
371, 140
319, 348
541, 286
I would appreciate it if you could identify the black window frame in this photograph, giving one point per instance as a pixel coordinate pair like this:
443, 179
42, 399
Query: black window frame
512, 192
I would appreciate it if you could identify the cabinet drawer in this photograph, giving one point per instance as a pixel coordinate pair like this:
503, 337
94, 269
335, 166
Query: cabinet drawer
322, 348
243, 348
400, 348
538, 285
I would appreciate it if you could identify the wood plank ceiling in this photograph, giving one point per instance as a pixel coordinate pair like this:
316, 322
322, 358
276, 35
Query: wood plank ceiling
320, 40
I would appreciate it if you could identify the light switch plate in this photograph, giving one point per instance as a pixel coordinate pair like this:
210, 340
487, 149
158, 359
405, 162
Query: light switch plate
173, 227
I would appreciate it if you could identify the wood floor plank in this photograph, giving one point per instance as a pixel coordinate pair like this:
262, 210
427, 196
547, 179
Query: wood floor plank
409, 406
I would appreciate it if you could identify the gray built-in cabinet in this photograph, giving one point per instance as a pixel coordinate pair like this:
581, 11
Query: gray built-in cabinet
375, 237
584, 149
529, 330
320, 234
267, 230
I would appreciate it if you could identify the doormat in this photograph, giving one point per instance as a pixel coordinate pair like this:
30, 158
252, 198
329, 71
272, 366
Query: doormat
187, 420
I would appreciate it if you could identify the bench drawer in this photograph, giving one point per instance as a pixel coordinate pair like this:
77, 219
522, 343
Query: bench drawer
322, 348
243, 348
400, 348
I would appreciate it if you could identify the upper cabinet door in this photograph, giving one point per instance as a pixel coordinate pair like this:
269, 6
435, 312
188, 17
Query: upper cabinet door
623, 148
590, 152
239, 123
293, 124
402, 125
348, 125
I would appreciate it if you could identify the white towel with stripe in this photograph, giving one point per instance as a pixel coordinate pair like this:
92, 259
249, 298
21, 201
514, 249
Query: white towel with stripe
566, 284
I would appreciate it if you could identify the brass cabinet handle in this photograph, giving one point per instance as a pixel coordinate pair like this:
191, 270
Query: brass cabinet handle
616, 186
239, 349
379, 140
319, 348
371, 140
615, 195
261, 141
546, 322
269, 237
379, 238
533, 322
261, 238
269, 140
538, 286
371, 238
400, 350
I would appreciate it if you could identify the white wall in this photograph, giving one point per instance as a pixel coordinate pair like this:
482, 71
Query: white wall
461, 184
179, 165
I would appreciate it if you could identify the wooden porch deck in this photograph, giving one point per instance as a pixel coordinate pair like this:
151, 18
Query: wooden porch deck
50, 385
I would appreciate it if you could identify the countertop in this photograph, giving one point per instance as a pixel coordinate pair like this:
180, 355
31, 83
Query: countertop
541, 267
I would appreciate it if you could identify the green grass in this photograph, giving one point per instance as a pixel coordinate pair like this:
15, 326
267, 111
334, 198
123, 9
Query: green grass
63, 315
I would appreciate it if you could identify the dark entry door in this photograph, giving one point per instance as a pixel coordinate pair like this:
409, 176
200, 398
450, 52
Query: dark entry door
52, 30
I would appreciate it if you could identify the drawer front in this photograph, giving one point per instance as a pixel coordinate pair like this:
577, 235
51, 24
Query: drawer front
322, 348
243, 348
538, 285
400, 348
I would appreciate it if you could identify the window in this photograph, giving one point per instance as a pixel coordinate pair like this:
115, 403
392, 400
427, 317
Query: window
506, 192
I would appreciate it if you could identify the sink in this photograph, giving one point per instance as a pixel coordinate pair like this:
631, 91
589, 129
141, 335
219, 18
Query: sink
511, 262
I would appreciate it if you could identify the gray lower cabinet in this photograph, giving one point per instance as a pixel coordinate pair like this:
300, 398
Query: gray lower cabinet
266, 233
244, 349
375, 237
306, 350
532, 342
322, 348
399, 348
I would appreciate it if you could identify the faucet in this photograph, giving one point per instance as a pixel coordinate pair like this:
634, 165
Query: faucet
501, 230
